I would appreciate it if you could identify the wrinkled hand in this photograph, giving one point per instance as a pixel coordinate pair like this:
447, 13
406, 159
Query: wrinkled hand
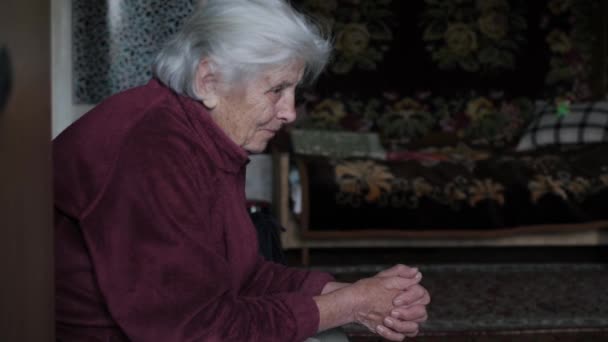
407, 325
409, 308
377, 294
403, 321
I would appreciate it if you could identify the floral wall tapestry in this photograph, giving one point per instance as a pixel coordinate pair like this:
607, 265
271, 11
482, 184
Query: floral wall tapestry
470, 67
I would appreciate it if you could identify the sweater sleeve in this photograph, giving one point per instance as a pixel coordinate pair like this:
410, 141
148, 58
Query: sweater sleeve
155, 257
272, 277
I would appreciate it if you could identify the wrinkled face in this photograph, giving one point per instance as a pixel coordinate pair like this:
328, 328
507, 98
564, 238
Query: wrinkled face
252, 114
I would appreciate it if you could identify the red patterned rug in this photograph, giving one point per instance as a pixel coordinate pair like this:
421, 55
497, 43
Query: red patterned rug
506, 302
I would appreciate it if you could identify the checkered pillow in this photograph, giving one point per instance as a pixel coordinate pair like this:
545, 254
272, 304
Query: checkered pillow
584, 123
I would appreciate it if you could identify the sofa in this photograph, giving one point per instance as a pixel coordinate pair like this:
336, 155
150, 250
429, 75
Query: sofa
464, 122
554, 194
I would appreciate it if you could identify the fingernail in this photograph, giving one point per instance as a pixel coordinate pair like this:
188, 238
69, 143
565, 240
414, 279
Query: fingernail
388, 322
380, 329
395, 314
418, 276
399, 302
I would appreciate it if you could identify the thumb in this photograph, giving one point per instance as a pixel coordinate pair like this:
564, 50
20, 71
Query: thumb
400, 283
399, 271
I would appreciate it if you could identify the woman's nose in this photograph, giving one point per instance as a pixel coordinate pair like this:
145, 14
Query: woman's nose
287, 112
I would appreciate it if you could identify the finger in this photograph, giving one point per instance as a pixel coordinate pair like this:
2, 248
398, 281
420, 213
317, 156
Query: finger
415, 313
410, 296
389, 334
399, 283
369, 321
402, 327
412, 334
399, 270
425, 300
374, 318
407, 329
422, 319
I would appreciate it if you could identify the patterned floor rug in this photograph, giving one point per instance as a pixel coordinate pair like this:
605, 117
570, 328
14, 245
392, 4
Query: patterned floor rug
514, 301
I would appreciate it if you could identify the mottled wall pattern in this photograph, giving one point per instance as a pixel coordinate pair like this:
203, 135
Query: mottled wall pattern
115, 41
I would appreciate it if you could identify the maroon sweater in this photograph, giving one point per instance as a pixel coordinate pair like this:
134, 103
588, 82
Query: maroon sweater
153, 240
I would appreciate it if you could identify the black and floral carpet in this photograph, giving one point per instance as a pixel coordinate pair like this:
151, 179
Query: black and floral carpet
507, 302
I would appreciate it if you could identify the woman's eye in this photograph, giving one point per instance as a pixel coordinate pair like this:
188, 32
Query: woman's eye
299, 99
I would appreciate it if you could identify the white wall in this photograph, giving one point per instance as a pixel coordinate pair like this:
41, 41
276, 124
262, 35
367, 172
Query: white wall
64, 111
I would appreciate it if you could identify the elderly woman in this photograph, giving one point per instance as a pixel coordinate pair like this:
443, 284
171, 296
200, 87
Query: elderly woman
153, 239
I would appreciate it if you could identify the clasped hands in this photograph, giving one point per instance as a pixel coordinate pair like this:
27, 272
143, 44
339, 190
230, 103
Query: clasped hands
394, 302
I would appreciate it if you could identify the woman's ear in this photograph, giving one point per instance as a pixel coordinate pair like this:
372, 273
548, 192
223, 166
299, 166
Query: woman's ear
206, 84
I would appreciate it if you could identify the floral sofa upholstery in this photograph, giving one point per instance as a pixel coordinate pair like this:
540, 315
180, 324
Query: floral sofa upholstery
457, 192
464, 118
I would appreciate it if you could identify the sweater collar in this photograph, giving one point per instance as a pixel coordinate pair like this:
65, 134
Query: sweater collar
230, 156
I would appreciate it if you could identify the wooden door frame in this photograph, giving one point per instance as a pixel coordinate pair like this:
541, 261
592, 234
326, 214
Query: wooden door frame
26, 214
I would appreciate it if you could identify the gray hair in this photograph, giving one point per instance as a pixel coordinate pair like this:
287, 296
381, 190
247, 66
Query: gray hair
241, 39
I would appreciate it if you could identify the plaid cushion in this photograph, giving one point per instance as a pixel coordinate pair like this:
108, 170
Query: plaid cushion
584, 123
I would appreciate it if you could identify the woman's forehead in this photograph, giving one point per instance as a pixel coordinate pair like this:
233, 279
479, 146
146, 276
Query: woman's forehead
291, 73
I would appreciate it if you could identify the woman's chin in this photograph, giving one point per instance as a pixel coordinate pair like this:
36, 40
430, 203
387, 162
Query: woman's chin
256, 147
